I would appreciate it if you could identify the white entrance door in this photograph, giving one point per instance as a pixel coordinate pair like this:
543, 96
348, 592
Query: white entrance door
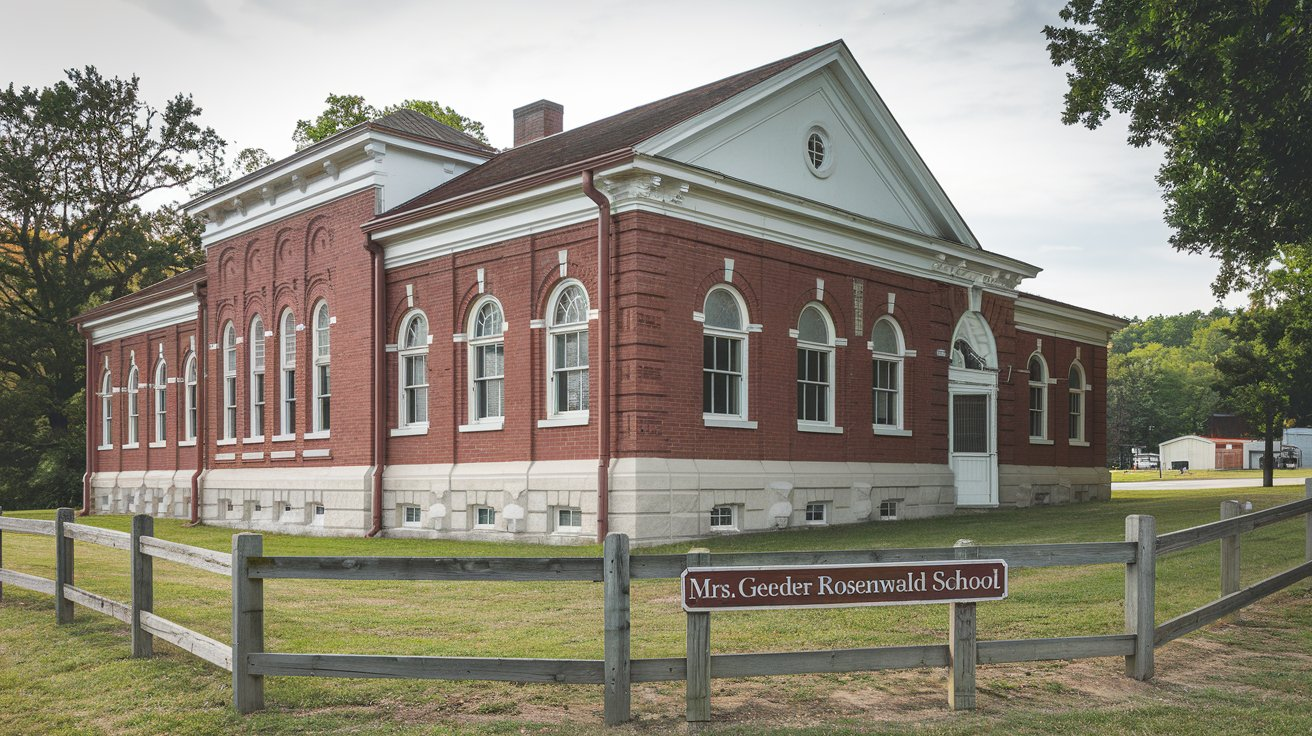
973, 451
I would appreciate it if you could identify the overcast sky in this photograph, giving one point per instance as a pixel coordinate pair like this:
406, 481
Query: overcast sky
969, 81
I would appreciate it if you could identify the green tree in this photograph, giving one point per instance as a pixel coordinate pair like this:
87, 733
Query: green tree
344, 111
75, 160
1225, 88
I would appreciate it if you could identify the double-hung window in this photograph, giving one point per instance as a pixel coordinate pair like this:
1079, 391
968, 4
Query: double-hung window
567, 352
287, 367
189, 407
106, 411
134, 413
229, 382
487, 362
1076, 413
159, 389
888, 395
413, 348
815, 369
322, 370
257, 377
724, 355
1038, 387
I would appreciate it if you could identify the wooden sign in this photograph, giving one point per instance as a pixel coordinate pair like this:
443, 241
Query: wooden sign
837, 586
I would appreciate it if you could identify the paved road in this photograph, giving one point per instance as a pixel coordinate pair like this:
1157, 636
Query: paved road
1184, 485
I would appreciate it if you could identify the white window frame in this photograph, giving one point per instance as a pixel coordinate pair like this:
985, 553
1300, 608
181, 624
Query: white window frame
322, 370
160, 392
893, 504
106, 411
406, 521
816, 513
190, 410
476, 343
287, 375
731, 525
828, 349
1076, 406
1039, 384
740, 336
407, 353
228, 430
257, 389
574, 513
479, 514
554, 330
898, 360
134, 410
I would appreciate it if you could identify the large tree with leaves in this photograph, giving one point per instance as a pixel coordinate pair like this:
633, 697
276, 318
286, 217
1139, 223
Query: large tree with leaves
1225, 88
76, 159
344, 111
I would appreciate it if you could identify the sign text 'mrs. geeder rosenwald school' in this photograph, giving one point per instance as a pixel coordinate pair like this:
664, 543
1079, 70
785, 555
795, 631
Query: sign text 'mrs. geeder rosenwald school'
832, 586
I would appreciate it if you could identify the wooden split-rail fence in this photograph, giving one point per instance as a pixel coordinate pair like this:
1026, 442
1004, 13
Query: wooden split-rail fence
248, 568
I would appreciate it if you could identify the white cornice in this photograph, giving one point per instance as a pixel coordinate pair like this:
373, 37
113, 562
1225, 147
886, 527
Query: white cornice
163, 312
1066, 321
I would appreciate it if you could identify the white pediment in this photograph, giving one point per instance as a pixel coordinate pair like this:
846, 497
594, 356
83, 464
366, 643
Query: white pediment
871, 169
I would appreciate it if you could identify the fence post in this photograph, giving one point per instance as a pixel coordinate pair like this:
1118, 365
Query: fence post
961, 642
699, 655
616, 586
143, 586
247, 623
63, 566
1307, 545
1230, 551
2, 555
1140, 595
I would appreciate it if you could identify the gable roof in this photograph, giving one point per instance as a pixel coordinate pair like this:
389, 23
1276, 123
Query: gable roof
608, 135
416, 124
173, 284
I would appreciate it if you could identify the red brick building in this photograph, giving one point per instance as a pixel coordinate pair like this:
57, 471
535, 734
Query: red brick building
781, 320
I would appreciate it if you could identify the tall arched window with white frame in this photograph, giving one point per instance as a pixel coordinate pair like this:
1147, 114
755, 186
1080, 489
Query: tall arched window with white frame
134, 409
1038, 388
190, 408
287, 371
888, 352
567, 352
161, 394
229, 382
106, 410
1076, 403
413, 349
815, 368
487, 363
322, 370
724, 355
256, 378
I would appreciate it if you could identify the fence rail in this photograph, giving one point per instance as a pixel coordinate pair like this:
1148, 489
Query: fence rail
248, 568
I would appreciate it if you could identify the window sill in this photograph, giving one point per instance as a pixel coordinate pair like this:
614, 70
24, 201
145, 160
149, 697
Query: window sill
225, 443
252, 456
712, 420
257, 439
820, 428
104, 447
1078, 443
488, 426
1039, 441
322, 434
225, 456
284, 438
568, 531
282, 455
322, 452
723, 529
565, 421
186, 443
409, 430
131, 446
157, 445
887, 431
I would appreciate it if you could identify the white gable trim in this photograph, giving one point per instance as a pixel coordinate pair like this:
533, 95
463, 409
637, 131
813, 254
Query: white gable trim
162, 312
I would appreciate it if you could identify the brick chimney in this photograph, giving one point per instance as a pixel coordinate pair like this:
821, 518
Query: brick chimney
538, 120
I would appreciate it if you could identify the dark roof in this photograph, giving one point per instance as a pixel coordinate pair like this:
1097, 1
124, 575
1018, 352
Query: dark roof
617, 132
418, 124
181, 282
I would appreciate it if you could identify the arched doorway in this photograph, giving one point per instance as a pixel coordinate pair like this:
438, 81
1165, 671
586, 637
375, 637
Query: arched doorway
972, 412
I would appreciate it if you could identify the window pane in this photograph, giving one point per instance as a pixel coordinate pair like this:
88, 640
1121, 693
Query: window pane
812, 326
722, 310
884, 338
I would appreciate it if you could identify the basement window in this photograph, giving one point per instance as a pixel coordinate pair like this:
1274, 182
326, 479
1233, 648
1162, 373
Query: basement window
888, 509
569, 519
723, 518
485, 517
410, 516
817, 513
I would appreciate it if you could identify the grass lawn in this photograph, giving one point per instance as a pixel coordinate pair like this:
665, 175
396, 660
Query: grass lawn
1130, 476
1248, 675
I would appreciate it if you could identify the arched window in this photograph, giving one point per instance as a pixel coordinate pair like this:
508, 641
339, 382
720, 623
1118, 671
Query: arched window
106, 411
229, 382
287, 369
1038, 397
815, 368
189, 405
724, 355
567, 351
1076, 424
161, 394
134, 410
886, 347
487, 362
322, 365
414, 370
256, 389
